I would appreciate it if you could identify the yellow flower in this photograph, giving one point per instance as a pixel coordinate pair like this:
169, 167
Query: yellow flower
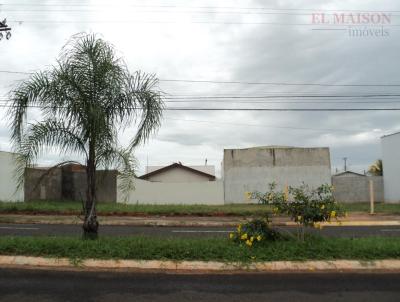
322, 207
259, 238
249, 243
333, 214
251, 238
231, 235
243, 237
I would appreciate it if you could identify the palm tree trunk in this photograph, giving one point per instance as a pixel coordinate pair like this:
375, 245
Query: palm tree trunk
90, 224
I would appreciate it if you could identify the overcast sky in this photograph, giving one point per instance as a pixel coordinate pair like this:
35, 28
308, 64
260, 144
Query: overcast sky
244, 41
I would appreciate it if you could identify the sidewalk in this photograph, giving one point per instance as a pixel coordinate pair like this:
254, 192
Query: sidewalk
355, 219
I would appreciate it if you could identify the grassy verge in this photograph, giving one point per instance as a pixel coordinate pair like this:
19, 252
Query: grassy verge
74, 208
147, 248
384, 208
70, 207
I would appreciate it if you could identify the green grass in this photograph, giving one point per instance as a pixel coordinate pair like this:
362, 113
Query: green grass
148, 248
71, 207
385, 208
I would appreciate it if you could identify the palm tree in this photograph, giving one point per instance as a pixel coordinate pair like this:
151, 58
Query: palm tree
376, 168
85, 99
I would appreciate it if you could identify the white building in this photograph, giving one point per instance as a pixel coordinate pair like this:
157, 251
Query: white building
8, 181
391, 166
175, 184
253, 169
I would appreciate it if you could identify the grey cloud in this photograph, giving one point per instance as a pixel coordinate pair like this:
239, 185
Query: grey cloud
263, 53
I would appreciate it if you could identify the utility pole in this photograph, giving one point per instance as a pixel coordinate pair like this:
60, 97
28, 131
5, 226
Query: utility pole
345, 163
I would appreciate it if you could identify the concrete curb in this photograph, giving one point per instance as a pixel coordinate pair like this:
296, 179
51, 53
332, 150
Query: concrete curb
200, 266
182, 223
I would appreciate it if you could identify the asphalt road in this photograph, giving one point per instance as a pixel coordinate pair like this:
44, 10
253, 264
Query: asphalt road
68, 230
38, 285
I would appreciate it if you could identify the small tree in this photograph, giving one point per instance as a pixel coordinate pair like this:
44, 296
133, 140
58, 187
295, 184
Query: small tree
85, 99
307, 207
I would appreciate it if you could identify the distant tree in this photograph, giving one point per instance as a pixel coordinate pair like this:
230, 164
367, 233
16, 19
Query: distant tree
376, 168
85, 99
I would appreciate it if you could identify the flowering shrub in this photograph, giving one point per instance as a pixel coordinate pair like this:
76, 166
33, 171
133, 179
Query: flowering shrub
307, 207
254, 232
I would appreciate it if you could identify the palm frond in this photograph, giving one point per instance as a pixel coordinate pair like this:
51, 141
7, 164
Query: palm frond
150, 102
124, 162
38, 136
28, 93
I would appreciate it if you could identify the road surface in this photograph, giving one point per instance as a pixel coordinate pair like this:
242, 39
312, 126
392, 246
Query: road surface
39, 285
68, 230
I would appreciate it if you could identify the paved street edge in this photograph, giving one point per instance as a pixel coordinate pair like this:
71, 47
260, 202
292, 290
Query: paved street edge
182, 222
200, 266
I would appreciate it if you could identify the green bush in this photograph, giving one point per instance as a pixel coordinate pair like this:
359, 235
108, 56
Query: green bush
305, 206
254, 232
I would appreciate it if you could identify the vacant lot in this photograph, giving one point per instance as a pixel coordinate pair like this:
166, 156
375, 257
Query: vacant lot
74, 208
383, 208
70, 207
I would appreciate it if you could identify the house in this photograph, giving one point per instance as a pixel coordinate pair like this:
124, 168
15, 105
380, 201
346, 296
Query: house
354, 187
390, 145
9, 190
177, 172
176, 184
253, 169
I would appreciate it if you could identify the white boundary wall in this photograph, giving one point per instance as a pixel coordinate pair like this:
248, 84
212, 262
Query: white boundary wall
253, 169
146, 192
391, 167
8, 183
